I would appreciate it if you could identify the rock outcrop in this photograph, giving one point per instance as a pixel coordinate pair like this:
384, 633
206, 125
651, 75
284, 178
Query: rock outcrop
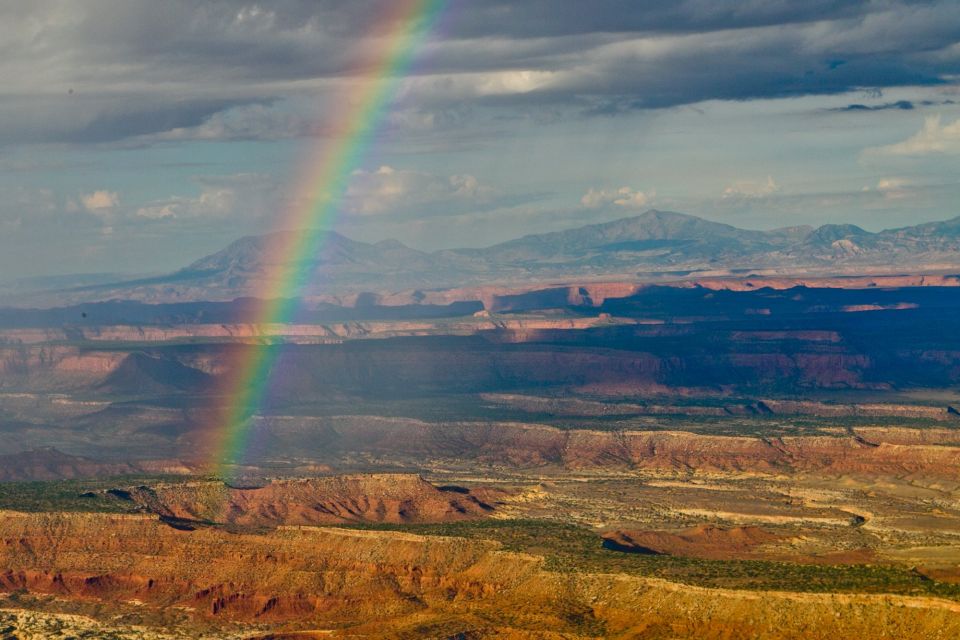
703, 541
391, 498
51, 464
872, 450
398, 585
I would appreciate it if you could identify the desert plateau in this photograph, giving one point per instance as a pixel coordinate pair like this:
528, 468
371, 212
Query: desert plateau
479, 320
658, 462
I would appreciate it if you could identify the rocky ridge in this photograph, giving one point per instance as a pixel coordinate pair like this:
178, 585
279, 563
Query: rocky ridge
389, 498
656, 244
328, 578
898, 451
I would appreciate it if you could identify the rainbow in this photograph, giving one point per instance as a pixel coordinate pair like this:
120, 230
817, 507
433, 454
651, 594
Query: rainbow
353, 125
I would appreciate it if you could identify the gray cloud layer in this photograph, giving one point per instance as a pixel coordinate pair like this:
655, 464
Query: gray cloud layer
108, 70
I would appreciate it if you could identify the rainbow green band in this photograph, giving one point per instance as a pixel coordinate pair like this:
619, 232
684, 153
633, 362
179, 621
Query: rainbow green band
356, 122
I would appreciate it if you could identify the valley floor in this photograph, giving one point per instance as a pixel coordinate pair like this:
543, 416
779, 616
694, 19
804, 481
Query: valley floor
691, 463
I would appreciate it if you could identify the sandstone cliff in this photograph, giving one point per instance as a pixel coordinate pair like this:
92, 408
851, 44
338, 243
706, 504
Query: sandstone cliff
396, 583
394, 498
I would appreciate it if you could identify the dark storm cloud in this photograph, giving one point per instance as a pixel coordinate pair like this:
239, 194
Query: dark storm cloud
118, 118
899, 105
105, 70
539, 18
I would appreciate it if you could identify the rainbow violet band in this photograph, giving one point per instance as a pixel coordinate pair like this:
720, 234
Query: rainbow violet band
361, 109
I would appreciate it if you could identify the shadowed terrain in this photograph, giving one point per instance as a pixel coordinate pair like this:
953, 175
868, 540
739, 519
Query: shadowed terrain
711, 457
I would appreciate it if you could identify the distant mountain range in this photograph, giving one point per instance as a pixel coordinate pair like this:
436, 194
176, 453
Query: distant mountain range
655, 245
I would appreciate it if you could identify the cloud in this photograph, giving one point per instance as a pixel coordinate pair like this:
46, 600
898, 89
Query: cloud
751, 189
623, 197
390, 190
22, 206
237, 197
102, 117
893, 188
900, 105
97, 230
829, 52
245, 122
933, 138
557, 18
240, 69
100, 202
890, 184
40, 213
210, 202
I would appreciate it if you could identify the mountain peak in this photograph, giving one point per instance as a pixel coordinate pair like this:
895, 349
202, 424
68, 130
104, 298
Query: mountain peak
651, 242
391, 243
830, 233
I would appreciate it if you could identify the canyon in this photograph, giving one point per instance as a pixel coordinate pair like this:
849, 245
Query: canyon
714, 457
404, 584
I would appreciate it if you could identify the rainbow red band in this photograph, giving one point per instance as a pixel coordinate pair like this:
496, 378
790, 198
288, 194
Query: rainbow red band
354, 123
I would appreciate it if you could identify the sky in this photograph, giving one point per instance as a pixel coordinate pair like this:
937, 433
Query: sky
137, 136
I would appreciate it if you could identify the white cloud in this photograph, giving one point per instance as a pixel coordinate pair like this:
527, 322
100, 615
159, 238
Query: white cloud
933, 137
240, 195
750, 189
622, 197
892, 188
389, 190
210, 202
890, 184
100, 202
245, 122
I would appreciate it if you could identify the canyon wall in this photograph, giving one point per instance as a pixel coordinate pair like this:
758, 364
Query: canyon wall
327, 578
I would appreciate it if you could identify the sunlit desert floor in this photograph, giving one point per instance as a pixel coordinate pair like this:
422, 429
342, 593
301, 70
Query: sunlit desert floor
532, 476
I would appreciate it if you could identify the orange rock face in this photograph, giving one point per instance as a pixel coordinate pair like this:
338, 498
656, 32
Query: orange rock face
392, 498
50, 464
704, 541
877, 450
396, 585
